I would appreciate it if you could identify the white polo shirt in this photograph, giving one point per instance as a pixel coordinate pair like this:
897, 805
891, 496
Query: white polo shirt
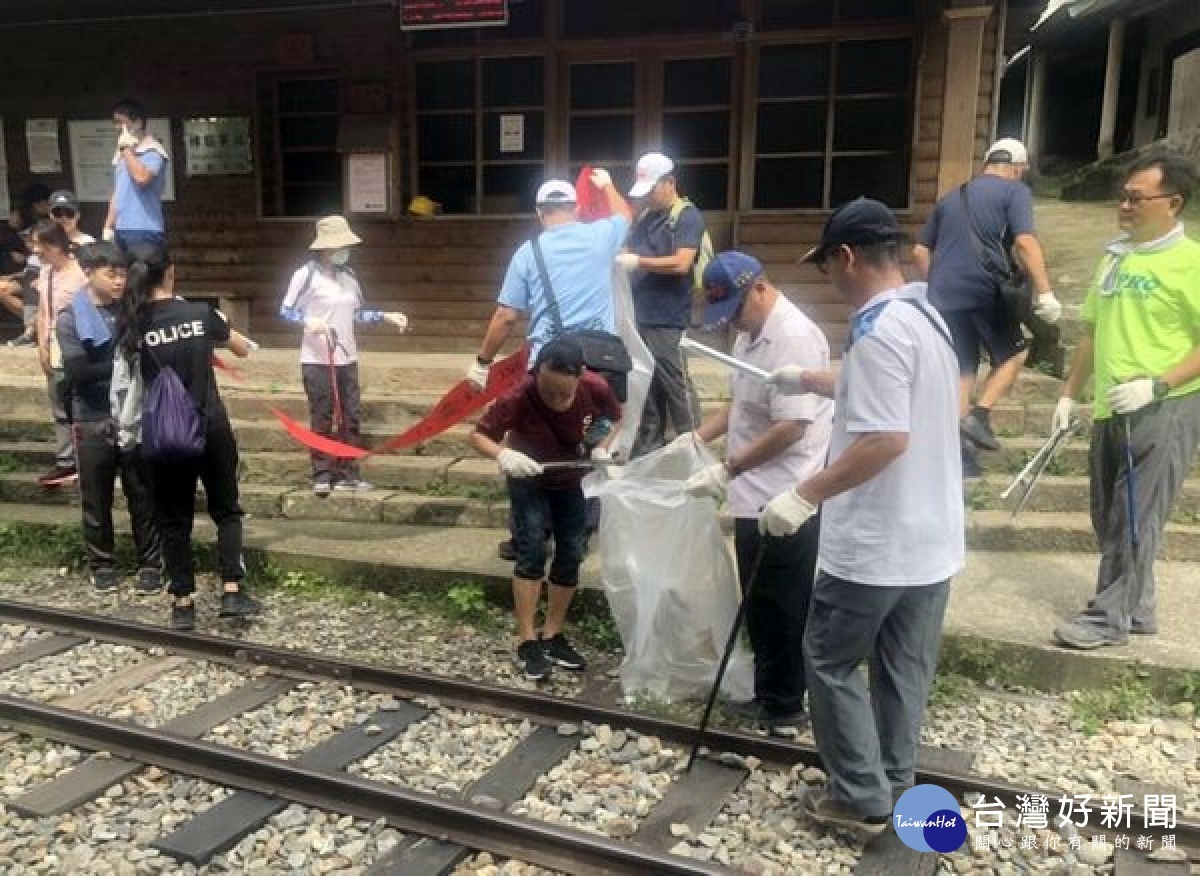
903, 527
335, 299
788, 337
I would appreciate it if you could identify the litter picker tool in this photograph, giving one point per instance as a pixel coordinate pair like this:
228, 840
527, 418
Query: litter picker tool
730, 644
1130, 490
724, 358
1036, 467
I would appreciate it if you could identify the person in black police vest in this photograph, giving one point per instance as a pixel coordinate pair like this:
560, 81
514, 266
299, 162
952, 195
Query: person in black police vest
163, 330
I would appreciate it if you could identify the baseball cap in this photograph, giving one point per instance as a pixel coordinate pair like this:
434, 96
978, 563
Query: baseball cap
651, 167
860, 221
64, 199
555, 191
1017, 153
727, 279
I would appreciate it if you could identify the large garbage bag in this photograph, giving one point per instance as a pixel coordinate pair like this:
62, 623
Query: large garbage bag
670, 579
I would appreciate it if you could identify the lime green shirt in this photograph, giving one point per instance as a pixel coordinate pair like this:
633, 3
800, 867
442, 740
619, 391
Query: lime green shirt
1145, 311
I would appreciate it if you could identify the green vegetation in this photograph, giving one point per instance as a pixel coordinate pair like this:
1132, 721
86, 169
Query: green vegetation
979, 496
1129, 698
9, 463
952, 689
469, 601
27, 545
981, 661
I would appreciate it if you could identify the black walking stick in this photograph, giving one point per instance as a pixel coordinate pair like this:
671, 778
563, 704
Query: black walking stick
1130, 494
729, 646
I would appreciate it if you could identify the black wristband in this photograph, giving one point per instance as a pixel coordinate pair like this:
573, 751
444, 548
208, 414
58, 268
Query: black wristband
483, 361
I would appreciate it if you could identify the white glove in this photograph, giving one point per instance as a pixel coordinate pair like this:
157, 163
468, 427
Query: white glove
790, 380
600, 178
316, 326
785, 514
477, 374
1048, 308
516, 464
396, 318
708, 483
1062, 414
108, 234
628, 261
601, 455
1125, 398
127, 140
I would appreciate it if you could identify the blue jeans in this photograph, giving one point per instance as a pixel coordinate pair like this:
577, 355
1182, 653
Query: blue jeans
536, 509
126, 239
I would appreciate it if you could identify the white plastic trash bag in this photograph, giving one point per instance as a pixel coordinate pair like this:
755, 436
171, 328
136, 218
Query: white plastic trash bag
670, 579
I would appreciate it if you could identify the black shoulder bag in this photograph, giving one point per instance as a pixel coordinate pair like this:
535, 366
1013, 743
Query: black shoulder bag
603, 352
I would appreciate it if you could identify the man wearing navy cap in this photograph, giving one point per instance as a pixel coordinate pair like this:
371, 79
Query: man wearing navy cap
891, 521
773, 440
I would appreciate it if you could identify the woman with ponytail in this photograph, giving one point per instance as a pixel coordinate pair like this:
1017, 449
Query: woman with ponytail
159, 330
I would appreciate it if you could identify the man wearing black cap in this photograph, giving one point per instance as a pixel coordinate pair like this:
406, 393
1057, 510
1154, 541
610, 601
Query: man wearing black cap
892, 521
64, 210
772, 441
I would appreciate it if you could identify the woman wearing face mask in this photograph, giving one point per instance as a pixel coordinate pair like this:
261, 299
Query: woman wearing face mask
325, 297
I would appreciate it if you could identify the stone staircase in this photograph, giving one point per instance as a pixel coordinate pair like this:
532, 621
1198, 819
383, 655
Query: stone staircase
443, 483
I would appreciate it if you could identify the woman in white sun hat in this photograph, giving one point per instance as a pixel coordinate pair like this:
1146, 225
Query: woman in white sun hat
325, 297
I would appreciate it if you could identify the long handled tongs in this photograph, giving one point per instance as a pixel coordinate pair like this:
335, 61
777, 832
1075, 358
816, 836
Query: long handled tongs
1036, 467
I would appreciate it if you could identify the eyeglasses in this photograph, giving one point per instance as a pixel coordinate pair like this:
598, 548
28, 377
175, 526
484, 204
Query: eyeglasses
63, 213
1134, 199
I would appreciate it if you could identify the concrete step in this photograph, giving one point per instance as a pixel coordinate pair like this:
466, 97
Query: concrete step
1063, 493
1071, 459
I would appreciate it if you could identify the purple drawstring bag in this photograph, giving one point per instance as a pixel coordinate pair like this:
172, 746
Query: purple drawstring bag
173, 428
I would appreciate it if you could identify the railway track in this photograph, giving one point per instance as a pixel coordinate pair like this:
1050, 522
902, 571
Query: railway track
441, 830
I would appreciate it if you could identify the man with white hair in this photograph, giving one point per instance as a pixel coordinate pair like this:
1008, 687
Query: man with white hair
964, 252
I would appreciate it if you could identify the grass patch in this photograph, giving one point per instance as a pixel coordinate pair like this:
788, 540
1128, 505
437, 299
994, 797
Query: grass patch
980, 661
979, 497
952, 689
478, 492
1128, 699
24, 544
9, 463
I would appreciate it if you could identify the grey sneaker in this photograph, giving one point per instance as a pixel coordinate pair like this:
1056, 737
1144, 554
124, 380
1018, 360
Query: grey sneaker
828, 813
1085, 637
978, 432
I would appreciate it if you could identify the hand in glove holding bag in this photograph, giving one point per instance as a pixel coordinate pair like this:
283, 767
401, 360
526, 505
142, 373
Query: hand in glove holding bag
1047, 308
600, 178
396, 319
316, 326
516, 464
785, 514
791, 380
708, 483
1062, 414
628, 261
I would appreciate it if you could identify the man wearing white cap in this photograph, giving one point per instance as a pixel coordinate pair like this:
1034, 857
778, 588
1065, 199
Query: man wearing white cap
964, 252
663, 245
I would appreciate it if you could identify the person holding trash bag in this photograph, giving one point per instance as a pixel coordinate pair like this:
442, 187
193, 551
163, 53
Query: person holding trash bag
324, 295
558, 415
168, 343
891, 521
1142, 345
773, 441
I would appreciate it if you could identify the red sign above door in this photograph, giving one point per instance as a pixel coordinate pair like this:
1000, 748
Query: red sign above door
429, 14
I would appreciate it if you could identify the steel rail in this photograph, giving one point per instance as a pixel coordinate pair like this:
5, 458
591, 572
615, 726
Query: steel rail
474, 827
540, 708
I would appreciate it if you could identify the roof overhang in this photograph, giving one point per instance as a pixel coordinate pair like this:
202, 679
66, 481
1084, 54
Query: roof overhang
25, 13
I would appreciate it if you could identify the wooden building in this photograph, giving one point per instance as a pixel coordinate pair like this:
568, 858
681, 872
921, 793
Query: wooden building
774, 110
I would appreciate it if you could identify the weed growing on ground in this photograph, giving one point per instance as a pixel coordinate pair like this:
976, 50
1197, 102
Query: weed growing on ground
468, 602
647, 704
24, 544
952, 689
9, 463
981, 661
979, 497
1129, 698
598, 630
1185, 689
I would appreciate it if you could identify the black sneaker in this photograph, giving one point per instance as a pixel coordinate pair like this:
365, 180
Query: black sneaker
507, 550
149, 581
322, 485
559, 652
532, 660
104, 580
970, 464
183, 617
59, 476
978, 432
238, 604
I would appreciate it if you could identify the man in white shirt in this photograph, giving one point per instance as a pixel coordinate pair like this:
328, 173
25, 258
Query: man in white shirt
773, 441
892, 521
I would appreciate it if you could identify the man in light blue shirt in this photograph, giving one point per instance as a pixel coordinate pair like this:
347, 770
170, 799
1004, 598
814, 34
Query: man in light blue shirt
140, 167
579, 261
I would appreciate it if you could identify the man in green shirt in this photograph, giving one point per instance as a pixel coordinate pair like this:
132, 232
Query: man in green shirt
1143, 348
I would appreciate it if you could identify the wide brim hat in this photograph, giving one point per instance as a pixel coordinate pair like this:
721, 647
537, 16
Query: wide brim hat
333, 232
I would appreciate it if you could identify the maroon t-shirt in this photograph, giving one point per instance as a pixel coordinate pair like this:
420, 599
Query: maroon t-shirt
551, 436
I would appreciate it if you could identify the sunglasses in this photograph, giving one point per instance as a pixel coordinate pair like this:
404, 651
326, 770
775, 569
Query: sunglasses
63, 213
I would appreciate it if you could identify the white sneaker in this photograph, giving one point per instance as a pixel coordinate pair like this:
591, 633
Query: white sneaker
352, 485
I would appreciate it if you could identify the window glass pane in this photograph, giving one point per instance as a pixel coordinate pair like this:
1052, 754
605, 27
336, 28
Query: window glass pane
700, 82
786, 14
791, 127
308, 96
870, 124
446, 85
451, 36
884, 178
696, 135
788, 182
535, 138
601, 138
511, 188
602, 86
452, 187
705, 184
875, 10
525, 19
308, 132
312, 183
881, 67
793, 71
446, 138
513, 82
591, 18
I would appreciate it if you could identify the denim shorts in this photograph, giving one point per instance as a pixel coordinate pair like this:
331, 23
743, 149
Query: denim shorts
536, 511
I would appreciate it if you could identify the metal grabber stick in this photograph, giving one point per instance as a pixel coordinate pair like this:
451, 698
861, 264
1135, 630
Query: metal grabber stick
730, 644
1033, 471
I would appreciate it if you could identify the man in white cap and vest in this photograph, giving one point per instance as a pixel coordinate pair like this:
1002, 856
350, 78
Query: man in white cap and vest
964, 252
663, 244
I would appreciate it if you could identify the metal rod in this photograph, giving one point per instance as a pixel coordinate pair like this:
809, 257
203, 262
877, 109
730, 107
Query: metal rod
1029, 466
724, 358
1059, 439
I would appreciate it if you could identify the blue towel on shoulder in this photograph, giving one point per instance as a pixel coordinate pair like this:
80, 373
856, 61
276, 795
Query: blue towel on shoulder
90, 324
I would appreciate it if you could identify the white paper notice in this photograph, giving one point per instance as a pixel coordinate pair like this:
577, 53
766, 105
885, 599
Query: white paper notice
93, 143
42, 137
367, 183
512, 133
